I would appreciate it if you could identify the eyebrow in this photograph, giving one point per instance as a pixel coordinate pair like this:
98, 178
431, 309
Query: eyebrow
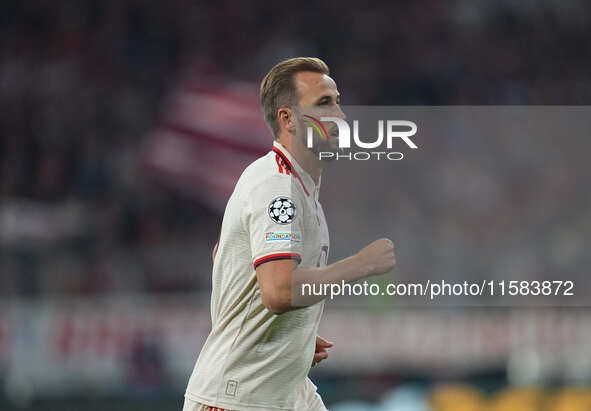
327, 97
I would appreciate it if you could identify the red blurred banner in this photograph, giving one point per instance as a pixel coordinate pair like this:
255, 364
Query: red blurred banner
211, 129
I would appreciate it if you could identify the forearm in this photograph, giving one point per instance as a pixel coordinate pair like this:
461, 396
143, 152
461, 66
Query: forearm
304, 279
285, 286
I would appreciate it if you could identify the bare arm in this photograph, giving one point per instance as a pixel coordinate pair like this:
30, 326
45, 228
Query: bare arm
282, 280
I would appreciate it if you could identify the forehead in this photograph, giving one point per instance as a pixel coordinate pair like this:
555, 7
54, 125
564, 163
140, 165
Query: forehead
311, 86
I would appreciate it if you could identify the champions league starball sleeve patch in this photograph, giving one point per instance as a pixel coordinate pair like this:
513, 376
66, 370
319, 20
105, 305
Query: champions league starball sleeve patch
282, 210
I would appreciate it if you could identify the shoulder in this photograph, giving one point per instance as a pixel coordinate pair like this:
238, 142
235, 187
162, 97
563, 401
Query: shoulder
266, 176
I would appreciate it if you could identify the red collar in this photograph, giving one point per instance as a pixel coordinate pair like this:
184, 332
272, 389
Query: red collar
290, 168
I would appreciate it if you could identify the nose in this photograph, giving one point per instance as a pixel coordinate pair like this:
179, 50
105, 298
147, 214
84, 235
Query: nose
339, 112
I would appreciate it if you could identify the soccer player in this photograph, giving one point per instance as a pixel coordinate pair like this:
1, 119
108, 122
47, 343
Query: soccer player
274, 239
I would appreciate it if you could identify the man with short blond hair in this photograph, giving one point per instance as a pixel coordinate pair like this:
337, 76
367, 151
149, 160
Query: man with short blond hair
274, 239
278, 88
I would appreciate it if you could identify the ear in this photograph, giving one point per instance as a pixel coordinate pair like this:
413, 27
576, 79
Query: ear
286, 119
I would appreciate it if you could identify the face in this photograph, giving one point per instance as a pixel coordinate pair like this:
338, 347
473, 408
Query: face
319, 97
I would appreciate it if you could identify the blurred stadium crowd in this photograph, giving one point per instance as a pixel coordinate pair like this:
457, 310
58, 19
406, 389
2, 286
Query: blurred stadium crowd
82, 83
465, 398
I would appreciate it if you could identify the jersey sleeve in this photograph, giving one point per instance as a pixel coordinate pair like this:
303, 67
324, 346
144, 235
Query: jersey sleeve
274, 219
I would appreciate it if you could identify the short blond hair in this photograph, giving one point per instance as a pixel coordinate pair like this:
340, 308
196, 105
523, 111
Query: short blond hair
278, 88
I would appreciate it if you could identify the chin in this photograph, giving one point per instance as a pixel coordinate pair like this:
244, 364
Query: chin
327, 146
333, 146
330, 145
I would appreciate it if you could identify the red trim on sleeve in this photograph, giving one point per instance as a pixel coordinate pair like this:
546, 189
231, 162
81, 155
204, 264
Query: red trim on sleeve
278, 256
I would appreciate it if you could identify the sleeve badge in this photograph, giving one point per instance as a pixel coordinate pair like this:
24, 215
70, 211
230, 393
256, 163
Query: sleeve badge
282, 210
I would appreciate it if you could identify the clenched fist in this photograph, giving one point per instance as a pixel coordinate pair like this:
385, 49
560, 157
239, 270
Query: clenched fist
378, 257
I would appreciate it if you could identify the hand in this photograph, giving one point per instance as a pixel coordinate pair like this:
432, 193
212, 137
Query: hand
378, 257
321, 352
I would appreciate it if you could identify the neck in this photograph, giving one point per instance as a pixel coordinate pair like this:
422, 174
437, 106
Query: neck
305, 158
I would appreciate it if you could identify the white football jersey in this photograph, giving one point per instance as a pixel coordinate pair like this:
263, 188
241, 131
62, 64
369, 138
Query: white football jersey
254, 359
